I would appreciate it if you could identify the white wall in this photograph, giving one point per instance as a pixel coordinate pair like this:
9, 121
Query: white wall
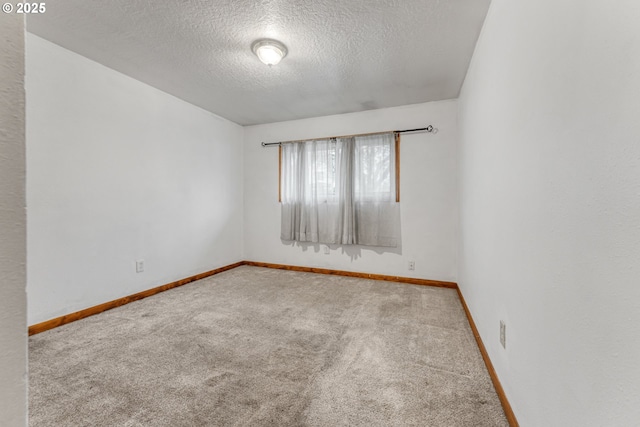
428, 193
119, 171
550, 206
13, 221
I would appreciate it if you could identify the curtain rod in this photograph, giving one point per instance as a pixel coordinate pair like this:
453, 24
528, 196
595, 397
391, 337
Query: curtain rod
429, 129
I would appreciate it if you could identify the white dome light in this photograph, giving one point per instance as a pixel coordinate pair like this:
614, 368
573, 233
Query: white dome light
269, 51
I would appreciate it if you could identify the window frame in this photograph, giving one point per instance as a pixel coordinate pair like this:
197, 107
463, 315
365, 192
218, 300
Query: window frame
397, 169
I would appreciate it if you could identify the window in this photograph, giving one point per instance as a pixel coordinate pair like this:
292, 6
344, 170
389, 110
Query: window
341, 190
375, 165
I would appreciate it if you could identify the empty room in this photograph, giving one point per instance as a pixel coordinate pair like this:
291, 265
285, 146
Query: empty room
320, 213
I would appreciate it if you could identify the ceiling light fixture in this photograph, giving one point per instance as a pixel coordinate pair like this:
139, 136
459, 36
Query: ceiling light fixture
269, 51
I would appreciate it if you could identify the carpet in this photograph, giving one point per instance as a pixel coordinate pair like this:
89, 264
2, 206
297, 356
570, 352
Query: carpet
261, 347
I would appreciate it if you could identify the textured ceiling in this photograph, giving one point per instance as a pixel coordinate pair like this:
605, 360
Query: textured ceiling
344, 55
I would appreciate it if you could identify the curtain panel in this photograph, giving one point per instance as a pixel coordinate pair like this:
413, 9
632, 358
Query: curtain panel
340, 191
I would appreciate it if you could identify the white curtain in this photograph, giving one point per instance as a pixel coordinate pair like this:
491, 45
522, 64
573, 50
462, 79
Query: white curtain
340, 191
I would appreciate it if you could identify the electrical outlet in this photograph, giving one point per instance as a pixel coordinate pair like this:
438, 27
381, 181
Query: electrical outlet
327, 250
503, 334
140, 266
412, 265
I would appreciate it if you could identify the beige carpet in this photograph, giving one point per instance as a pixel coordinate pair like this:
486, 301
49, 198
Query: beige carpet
261, 347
